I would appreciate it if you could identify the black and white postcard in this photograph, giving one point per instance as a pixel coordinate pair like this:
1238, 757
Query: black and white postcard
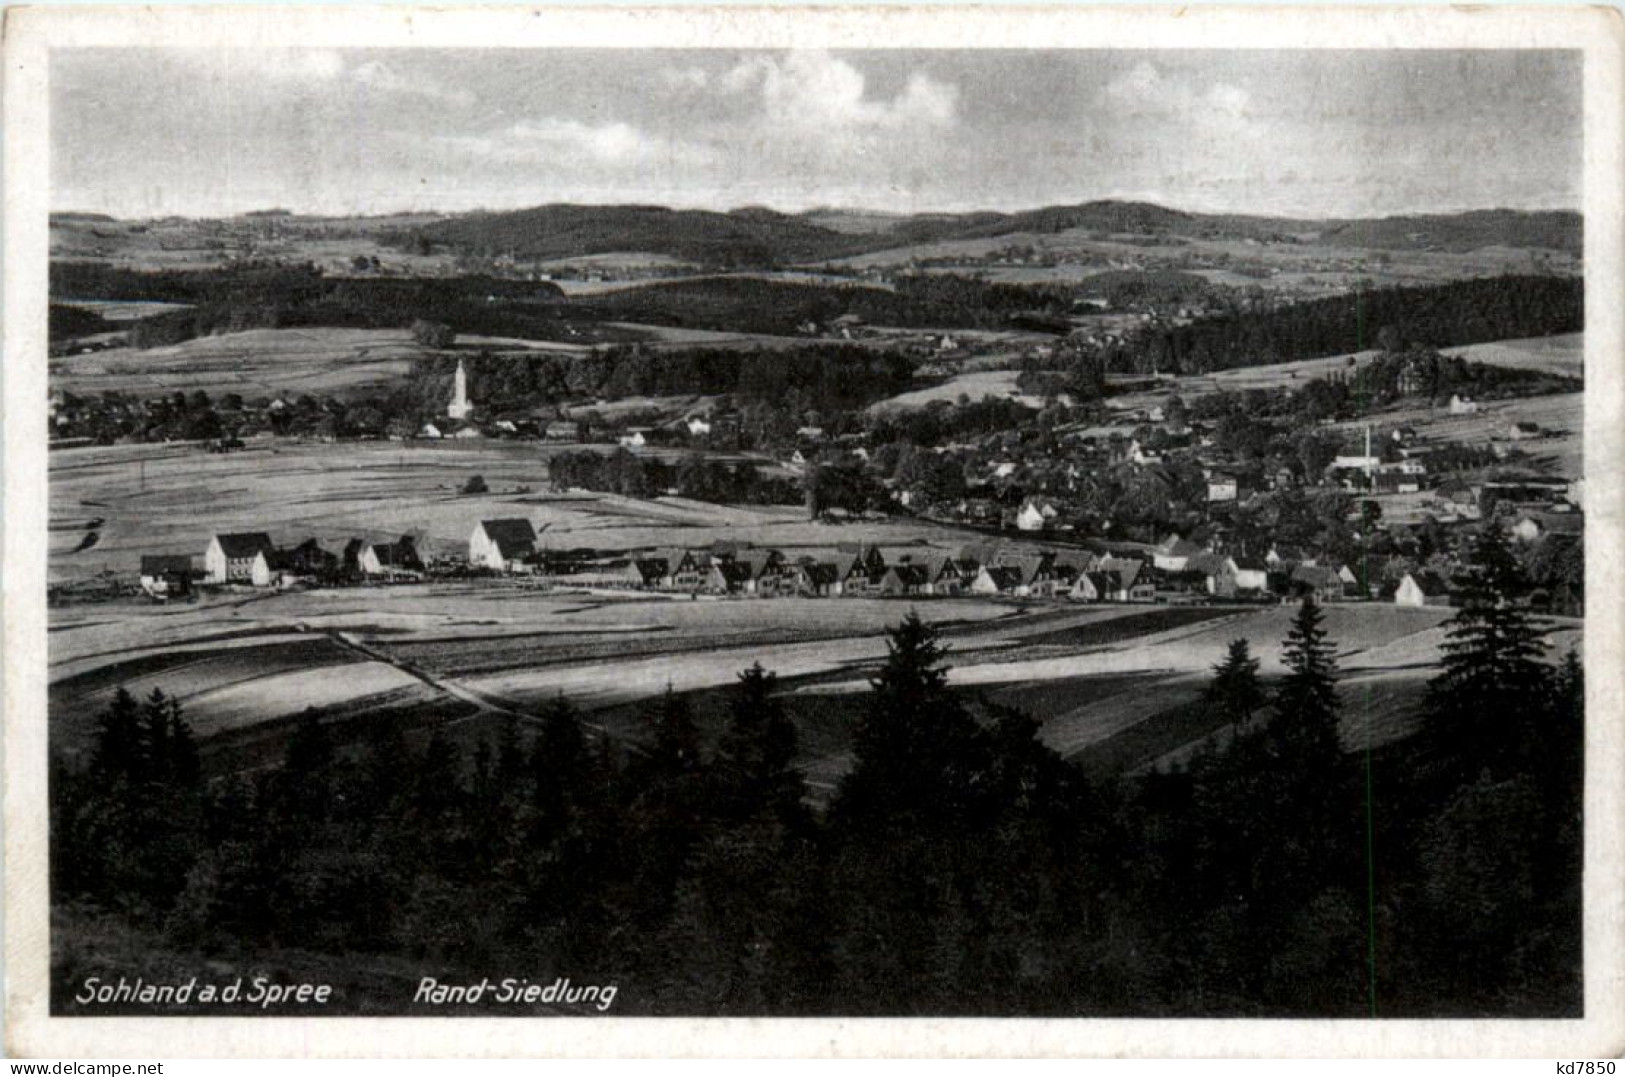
1106, 521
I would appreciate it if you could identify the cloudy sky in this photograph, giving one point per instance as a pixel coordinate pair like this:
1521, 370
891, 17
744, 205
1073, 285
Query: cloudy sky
143, 132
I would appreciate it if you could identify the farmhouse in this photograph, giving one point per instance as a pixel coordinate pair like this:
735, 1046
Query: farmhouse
814, 579
1174, 554
1320, 581
167, 575
389, 558
1134, 583
230, 558
764, 570
1463, 405
682, 570
1070, 562
1035, 577
501, 544
727, 577
1031, 517
943, 574
854, 573
1423, 589
1096, 586
640, 572
1242, 574
904, 579
995, 580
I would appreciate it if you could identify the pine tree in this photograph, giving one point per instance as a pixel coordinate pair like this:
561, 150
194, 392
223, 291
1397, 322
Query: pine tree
559, 766
185, 767
119, 753
1235, 691
437, 788
155, 748
1486, 702
676, 748
386, 769
916, 748
1306, 701
755, 758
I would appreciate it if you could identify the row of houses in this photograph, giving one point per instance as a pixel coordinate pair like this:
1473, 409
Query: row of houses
1173, 569
250, 557
865, 570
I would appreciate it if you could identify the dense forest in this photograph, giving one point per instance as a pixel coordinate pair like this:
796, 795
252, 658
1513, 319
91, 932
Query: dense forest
695, 475
278, 296
826, 376
67, 322
960, 867
269, 296
755, 305
755, 238
1458, 313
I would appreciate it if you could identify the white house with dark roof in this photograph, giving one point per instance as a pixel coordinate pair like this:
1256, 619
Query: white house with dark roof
501, 544
1174, 554
1423, 589
166, 575
389, 558
230, 558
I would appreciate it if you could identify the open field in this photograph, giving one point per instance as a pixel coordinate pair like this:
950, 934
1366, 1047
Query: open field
1562, 354
259, 362
1562, 415
1310, 267
1386, 654
171, 498
271, 362
976, 384
1108, 682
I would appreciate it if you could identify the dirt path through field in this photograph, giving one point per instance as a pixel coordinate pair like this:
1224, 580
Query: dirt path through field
456, 691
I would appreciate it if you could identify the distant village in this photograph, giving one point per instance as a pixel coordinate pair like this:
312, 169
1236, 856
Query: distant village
1062, 493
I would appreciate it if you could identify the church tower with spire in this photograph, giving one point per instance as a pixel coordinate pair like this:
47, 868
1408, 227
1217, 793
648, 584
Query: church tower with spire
459, 408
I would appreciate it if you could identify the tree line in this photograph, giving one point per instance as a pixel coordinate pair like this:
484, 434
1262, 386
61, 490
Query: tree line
1441, 315
961, 866
694, 475
830, 377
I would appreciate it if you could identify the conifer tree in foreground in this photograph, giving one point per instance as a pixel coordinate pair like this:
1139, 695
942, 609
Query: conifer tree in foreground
1306, 700
1491, 682
915, 743
755, 759
1235, 691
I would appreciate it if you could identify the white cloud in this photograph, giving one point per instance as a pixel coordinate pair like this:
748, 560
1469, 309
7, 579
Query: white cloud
811, 90
552, 140
379, 77
1214, 111
1144, 88
684, 79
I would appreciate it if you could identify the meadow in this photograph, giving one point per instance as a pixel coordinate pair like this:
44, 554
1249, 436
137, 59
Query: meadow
241, 658
170, 498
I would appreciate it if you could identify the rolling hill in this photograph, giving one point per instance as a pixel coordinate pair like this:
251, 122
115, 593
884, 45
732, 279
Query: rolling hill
757, 237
